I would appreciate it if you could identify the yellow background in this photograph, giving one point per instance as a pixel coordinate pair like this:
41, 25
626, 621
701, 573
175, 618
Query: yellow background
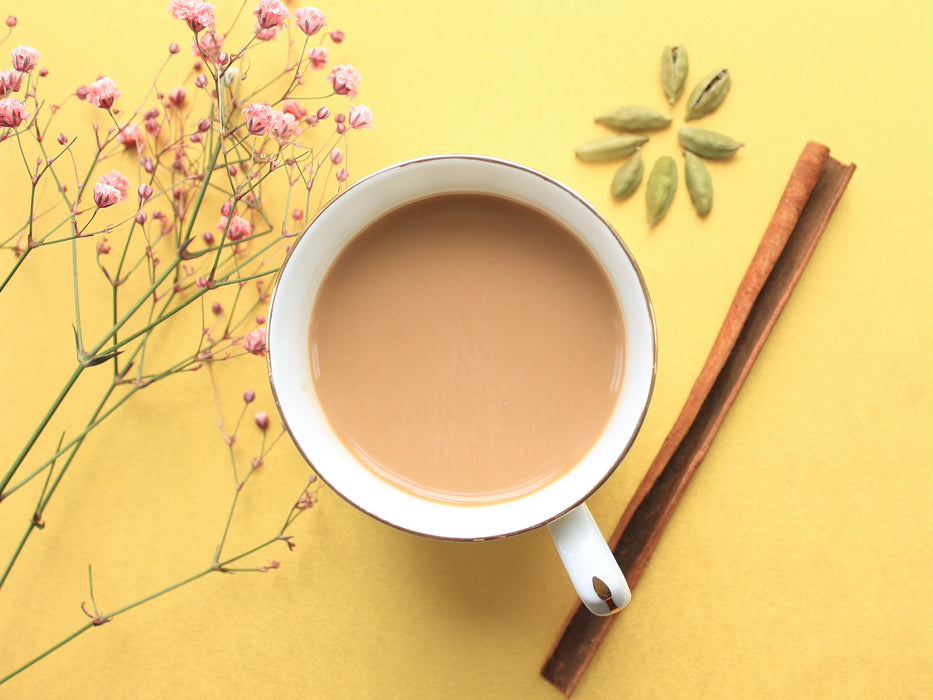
800, 563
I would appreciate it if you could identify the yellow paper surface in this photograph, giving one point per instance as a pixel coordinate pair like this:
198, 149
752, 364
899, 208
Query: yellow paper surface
800, 562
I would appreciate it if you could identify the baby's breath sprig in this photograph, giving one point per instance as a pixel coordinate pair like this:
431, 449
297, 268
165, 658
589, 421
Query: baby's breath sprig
182, 207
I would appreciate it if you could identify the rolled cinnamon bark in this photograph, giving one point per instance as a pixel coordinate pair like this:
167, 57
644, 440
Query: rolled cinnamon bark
810, 197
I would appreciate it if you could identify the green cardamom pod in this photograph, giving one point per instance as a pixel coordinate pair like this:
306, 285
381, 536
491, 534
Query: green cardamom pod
674, 68
634, 118
699, 183
708, 94
628, 176
659, 192
609, 147
706, 143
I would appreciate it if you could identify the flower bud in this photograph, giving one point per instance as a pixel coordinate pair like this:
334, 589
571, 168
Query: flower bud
173, 48
262, 420
217, 308
249, 396
141, 217
144, 191
323, 113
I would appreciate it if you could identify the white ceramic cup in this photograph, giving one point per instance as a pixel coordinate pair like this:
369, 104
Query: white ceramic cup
559, 504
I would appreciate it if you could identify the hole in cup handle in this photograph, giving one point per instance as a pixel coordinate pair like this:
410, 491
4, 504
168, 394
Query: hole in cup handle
589, 562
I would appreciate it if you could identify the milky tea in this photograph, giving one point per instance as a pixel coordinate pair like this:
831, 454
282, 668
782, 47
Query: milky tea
467, 348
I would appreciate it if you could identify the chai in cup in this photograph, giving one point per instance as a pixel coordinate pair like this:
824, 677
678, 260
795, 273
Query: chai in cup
467, 348
463, 348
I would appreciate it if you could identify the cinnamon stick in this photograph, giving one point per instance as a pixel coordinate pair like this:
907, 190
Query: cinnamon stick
815, 187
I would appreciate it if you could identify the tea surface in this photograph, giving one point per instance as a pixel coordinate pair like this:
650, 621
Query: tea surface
467, 347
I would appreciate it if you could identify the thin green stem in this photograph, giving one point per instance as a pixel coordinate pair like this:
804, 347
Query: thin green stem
101, 618
40, 428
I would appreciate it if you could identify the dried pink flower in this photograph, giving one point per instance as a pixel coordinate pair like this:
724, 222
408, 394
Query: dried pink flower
361, 117
307, 500
284, 126
106, 195
198, 15
318, 57
207, 45
345, 79
271, 14
296, 110
132, 135
10, 81
12, 112
310, 20
25, 58
265, 34
336, 156
177, 96
258, 118
255, 341
101, 93
117, 180
262, 420
110, 189
103, 247
239, 227
273, 564
337, 36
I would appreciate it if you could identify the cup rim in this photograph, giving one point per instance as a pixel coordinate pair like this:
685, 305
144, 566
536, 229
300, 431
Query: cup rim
649, 308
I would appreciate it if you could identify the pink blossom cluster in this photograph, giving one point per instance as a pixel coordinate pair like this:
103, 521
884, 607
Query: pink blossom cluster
270, 18
360, 117
207, 44
12, 112
317, 57
345, 80
262, 120
102, 92
10, 81
198, 15
310, 20
25, 58
255, 341
237, 227
131, 135
110, 189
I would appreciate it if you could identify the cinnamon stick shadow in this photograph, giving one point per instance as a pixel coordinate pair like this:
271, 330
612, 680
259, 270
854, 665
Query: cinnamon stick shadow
812, 193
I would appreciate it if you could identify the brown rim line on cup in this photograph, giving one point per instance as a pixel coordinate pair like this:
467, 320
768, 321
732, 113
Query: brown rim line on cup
809, 199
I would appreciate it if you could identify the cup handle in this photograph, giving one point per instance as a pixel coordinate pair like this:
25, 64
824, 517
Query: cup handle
592, 567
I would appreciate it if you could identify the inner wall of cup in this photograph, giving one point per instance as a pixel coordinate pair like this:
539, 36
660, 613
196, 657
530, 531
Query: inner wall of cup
290, 361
